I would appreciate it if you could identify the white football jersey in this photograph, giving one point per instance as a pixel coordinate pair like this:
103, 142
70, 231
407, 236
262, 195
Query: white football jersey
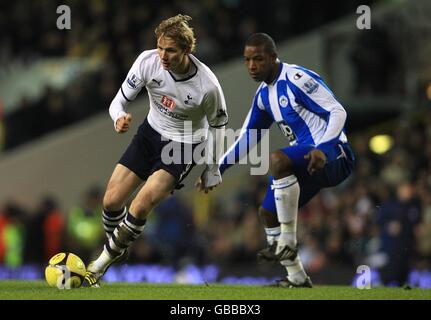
180, 110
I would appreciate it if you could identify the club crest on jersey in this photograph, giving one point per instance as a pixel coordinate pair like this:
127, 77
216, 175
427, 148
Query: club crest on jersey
133, 81
310, 86
283, 101
189, 97
168, 103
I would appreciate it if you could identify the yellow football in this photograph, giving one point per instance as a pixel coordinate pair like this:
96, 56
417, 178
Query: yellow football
65, 271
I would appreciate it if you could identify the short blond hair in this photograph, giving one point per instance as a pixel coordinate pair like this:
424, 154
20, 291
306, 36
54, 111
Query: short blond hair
178, 29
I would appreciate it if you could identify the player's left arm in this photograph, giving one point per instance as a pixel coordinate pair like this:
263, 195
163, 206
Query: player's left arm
216, 113
313, 94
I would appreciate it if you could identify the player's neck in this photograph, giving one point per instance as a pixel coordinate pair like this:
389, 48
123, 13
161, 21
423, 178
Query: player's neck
184, 67
274, 73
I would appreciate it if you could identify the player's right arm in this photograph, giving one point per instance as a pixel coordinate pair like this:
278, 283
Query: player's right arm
132, 85
251, 133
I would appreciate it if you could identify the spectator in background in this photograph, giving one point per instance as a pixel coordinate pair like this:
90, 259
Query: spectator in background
44, 232
3, 225
424, 233
53, 228
397, 219
84, 226
12, 235
174, 231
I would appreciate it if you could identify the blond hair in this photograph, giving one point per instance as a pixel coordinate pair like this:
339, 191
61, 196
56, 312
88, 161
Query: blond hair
178, 29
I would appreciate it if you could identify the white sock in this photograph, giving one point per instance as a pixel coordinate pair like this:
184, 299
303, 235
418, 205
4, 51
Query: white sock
288, 234
101, 262
295, 270
286, 196
272, 235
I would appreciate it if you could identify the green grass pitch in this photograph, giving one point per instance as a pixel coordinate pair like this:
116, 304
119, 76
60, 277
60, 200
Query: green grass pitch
39, 290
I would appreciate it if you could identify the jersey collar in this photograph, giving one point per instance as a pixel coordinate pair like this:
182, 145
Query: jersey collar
192, 72
280, 67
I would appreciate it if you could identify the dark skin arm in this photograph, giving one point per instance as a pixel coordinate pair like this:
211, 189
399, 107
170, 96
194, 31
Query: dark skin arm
317, 160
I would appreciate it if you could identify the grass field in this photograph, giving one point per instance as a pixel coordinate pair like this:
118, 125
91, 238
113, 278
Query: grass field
39, 290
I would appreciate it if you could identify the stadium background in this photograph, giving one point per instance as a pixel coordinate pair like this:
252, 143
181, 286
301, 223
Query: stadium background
58, 146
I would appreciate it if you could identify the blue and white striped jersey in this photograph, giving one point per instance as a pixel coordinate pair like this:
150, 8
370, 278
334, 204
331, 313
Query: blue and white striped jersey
302, 106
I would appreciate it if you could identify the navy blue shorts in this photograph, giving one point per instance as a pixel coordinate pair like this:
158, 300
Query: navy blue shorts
145, 155
340, 164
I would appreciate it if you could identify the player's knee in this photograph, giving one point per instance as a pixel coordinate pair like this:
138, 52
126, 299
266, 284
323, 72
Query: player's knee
280, 165
112, 201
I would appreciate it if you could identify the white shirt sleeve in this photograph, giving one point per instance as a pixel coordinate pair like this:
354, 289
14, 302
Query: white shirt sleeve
214, 105
215, 110
136, 79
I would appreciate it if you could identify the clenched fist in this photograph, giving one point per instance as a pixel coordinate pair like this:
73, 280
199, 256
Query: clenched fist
208, 180
123, 123
317, 160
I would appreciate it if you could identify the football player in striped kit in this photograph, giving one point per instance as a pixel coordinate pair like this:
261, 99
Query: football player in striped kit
317, 154
187, 109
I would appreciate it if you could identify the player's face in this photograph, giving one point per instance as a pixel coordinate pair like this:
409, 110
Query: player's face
172, 57
260, 64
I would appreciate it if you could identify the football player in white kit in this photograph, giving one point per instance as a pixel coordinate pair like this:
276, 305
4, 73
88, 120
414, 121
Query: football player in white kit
186, 101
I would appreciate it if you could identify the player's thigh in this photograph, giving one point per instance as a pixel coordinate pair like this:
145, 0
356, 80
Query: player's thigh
122, 183
296, 155
159, 185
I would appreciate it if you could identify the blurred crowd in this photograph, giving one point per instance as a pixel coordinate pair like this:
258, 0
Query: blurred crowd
116, 32
380, 217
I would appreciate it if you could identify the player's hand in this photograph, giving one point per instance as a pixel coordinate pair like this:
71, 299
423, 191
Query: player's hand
123, 123
317, 160
208, 180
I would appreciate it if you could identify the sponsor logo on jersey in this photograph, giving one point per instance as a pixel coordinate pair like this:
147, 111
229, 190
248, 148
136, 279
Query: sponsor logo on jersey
133, 81
168, 103
283, 101
297, 76
167, 112
310, 86
287, 131
159, 82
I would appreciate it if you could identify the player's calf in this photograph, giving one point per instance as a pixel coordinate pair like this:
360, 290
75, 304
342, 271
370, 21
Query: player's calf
115, 248
111, 219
